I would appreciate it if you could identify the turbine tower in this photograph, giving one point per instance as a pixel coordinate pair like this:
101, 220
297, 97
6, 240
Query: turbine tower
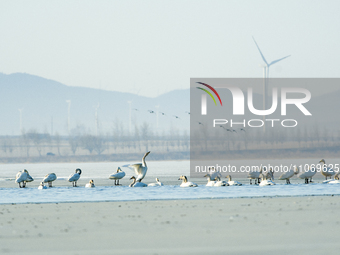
20, 111
68, 116
96, 118
266, 76
130, 125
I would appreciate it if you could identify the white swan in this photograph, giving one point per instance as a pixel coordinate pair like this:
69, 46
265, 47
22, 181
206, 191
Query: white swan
49, 178
308, 175
326, 171
213, 173
90, 184
270, 175
333, 181
210, 182
136, 184
117, 176
75, 177
41, 186
185, 182
23, 177
232, 183
254, 175
265, 181
289, 174
158, 183
140, 168
220, 183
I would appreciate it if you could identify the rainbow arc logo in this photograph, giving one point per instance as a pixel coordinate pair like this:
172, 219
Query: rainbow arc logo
209, 93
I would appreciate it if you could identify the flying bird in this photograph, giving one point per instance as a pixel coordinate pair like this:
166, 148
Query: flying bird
151, 111
176, 117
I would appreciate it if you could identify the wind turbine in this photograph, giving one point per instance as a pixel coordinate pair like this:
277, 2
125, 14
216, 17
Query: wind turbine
96, 118
20, 111
68, 116
266, 75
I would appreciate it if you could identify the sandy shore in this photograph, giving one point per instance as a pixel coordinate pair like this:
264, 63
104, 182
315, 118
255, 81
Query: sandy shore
294, 225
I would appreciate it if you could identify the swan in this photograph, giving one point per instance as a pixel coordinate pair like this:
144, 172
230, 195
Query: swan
213, 173
255, 175
23, 177
333, 181
232, 183
136, 184
220, 183
308, 175
41, 186
185, 182
289, 174
75, 177
140, 168
117, 176
326, 171
270, 175
158, 183
90, 184
49, 178
210, 182
265, 181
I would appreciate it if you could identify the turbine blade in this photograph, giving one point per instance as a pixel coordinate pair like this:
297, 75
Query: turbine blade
260, 52
275, 61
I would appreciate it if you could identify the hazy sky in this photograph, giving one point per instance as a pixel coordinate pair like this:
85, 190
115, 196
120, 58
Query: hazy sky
152, 47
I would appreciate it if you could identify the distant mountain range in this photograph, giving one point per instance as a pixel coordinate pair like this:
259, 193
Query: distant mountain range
44, 108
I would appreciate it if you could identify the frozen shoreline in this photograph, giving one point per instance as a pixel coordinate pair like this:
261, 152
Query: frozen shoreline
299, 225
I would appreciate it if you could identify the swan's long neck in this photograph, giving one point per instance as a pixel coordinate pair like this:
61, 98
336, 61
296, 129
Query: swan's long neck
209, 178
133, 182
143, 161
185, 179
229, 178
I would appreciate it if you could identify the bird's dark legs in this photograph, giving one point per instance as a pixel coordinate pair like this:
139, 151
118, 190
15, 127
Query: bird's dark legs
310, 180
24, 185
251, 183
20, 185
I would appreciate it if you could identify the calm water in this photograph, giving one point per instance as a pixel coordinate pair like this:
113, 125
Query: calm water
167, 171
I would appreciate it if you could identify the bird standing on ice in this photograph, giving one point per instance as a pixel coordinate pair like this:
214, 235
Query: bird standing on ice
23, 177
140, 168
75, 177
326, 171
289, 174
308, 175
49, 178
117, 176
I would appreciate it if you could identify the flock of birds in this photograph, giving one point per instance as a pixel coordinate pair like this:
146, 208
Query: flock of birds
261, 177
